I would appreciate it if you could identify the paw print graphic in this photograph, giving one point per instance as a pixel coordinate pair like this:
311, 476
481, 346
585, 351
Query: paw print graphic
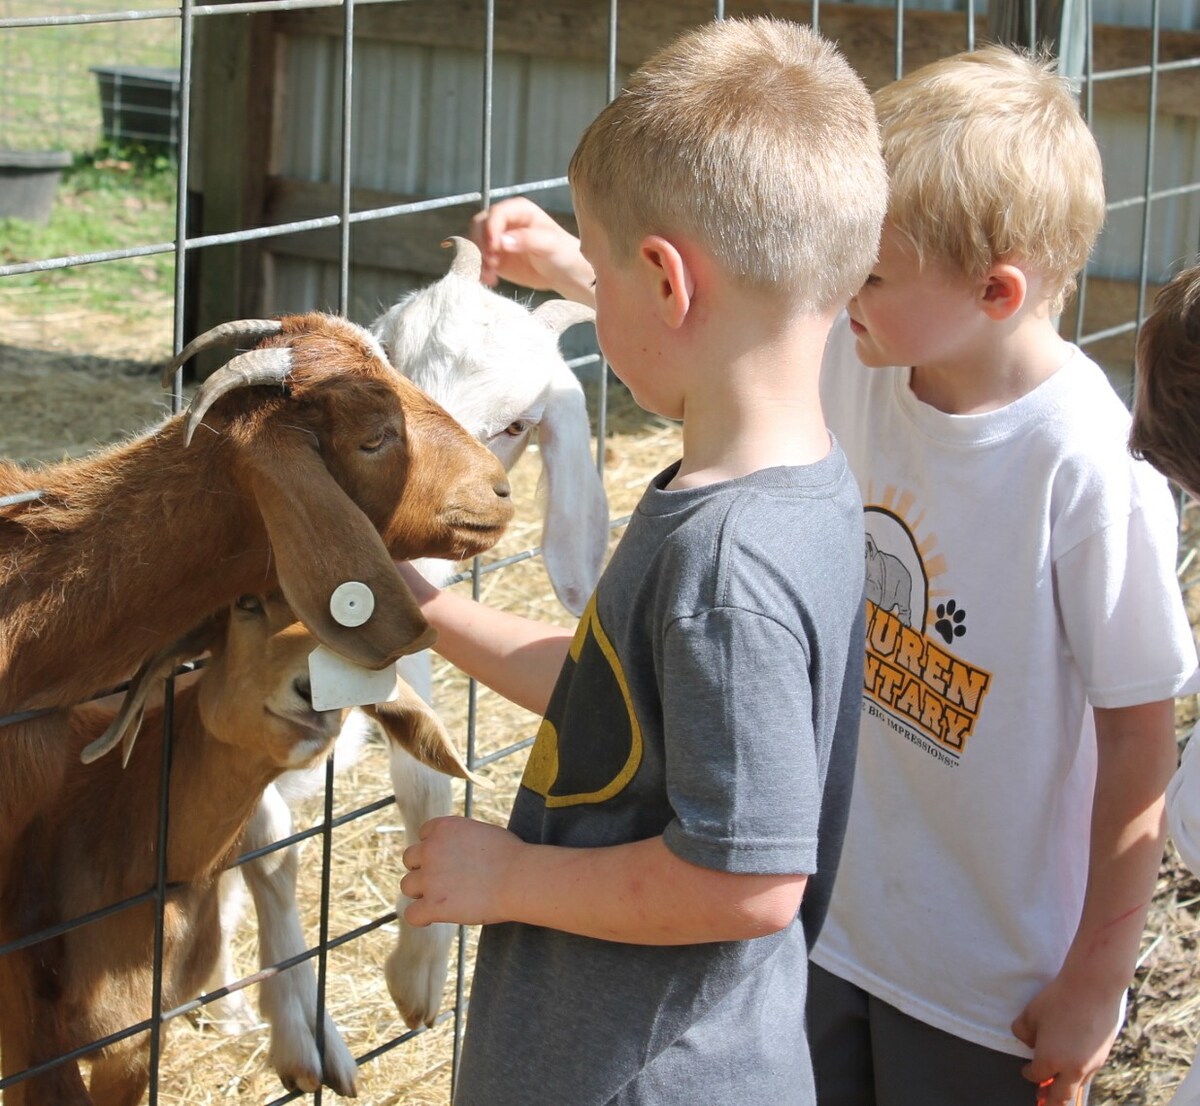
950, 621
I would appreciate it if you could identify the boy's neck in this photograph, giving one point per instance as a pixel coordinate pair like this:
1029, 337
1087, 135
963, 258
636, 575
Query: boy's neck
1000, 371
755, 405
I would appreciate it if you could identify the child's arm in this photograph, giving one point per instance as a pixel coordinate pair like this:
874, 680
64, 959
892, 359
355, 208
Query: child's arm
521, 243
518, 657
1071, 1023
473, 873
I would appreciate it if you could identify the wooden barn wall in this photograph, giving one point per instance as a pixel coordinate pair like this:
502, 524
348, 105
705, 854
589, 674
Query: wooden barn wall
418, 133
273, 81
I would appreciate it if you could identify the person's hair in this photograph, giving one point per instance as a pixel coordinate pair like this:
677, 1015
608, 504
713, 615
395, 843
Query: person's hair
1166, 409
753, 138
990, 160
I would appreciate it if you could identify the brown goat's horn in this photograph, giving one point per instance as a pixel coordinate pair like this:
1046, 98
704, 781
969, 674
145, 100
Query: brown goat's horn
468, 261
259, 366
242, 330
558, 315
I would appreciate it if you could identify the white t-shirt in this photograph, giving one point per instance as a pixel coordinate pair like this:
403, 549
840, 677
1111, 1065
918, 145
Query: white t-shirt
1020, 569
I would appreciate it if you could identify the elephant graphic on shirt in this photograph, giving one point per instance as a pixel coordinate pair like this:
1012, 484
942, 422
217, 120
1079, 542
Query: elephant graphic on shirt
889, 583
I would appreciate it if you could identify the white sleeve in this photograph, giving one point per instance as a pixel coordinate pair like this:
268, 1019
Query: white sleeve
1122, 612
1183, 805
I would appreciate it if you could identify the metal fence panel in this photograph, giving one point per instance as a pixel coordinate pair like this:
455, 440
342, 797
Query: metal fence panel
434, 122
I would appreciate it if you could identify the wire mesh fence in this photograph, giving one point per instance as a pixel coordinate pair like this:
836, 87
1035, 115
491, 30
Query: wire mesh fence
82, 77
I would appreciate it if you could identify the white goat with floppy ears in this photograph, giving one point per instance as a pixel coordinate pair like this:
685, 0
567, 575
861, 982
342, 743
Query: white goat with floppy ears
496, 367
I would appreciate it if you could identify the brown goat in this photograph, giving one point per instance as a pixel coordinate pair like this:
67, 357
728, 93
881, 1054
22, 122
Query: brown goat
247, 718
317, 464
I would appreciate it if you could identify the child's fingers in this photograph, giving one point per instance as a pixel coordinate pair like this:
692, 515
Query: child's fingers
416, 915
487, 228
1025, 1031
1062, 1091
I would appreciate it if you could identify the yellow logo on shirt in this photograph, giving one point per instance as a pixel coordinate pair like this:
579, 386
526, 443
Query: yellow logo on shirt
604, 748
911, 677
912, 681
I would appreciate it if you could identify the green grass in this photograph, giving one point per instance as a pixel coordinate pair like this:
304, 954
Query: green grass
49, 98
104, 204
111, 198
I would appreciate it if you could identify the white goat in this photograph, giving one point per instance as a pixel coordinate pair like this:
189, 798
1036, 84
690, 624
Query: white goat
496, 367
249, 717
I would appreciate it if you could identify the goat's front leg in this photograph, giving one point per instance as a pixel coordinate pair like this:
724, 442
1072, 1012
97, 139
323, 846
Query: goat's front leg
120, 1077
30, 1034
231, 1013
416, 968
288, 999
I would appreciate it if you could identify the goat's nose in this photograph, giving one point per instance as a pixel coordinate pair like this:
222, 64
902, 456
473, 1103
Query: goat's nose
302, 686
502, 489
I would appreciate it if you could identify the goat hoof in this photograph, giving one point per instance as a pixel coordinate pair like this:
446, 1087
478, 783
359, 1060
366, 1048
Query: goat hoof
306, 1082
340, 1086
415, 1009
416, 970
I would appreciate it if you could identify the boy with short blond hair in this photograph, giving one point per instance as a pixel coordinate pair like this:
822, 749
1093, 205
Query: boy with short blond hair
699, 148
1025, 632
645, 939
1025, 179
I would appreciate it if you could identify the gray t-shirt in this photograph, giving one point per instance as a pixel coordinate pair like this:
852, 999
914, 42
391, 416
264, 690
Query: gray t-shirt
711, 696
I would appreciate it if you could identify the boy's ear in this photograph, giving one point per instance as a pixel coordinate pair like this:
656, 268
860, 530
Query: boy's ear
673, 280
1004, 290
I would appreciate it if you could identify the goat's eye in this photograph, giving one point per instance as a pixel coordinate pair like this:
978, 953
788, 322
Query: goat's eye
517, 428
251, 604
374, 444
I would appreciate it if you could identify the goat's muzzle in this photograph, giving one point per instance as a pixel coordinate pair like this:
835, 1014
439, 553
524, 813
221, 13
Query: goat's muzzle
475, 525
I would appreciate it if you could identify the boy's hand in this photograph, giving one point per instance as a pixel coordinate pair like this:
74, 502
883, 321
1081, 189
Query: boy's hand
1071, 1030
456, 872
522, 244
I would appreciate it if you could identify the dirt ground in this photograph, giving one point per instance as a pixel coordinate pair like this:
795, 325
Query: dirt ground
61, 397
70, 382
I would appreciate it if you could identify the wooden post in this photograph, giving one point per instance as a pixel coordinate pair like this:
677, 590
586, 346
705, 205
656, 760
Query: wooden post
234, 67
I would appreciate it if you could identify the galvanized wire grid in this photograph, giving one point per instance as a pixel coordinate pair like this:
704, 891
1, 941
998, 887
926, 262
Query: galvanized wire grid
344, 219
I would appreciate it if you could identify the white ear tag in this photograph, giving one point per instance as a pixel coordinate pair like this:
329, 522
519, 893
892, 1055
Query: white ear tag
337, 682
351, 603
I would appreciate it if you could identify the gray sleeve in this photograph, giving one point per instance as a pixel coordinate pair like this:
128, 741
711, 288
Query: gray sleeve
741, 762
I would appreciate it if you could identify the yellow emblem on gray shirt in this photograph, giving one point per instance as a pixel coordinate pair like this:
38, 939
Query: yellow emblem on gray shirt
604, 748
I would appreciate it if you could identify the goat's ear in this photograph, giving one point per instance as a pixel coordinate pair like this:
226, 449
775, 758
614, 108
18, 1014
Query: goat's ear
320, 540
575, 533
148, 679
411, 723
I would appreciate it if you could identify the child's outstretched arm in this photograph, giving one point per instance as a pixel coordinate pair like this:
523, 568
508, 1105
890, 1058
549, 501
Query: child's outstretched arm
523, 244
474, 873
515, 656
1071, 1023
